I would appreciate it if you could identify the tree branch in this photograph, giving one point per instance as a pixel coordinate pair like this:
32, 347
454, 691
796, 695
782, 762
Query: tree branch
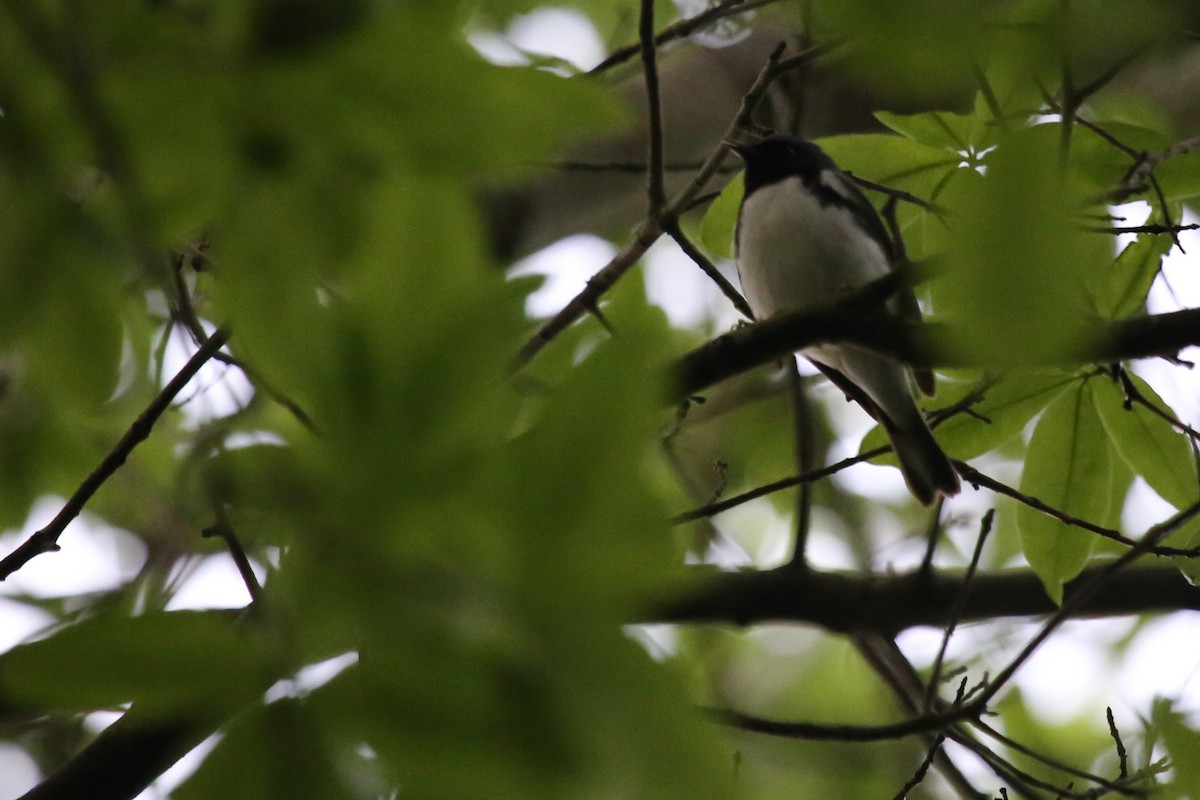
681, 29
890, 603
46, 539
654, 181
655, 225
924, 345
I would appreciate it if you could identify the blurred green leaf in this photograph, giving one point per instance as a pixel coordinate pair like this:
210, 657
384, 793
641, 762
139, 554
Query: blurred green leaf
1122, 290
1018, 256
1069, 467
273, 751
1147, 442
720, 221
945, 129
165, 662
923, 48
1179, 177
1099, 163
1182, 742
891, 160
1000, 414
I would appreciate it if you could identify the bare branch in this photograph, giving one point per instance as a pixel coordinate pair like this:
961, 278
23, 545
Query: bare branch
935, 678
654, 226
816, 731
1089, 588
918, 344
889, 603
710, 269
654, 169
46, 539
919, 775
681, 29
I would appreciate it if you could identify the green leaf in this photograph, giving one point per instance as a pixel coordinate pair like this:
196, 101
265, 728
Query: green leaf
999, 416
945, 129
1182, 742
1122, 290
273, 751
1005, 410
165, 662
922, 47
1018, 257
1069, 467
892, 160
1179, 177
720, 221
1156, 450
1150, 445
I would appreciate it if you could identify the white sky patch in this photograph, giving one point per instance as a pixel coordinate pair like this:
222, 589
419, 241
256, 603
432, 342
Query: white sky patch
1066, 678
183, 769
214, 583
18, 772
311, 677
94, 557
676, 285
18, 622
1144, 508
566, 266
217, 390
1164, 660
1177, 287
555, 32
680, 288
826, 547
661, 642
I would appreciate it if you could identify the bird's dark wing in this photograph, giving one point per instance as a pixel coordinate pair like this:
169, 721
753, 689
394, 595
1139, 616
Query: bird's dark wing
906, 305
840, 189
837, 187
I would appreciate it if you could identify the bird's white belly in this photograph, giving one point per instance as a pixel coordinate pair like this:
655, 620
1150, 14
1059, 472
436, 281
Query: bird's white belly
797, 254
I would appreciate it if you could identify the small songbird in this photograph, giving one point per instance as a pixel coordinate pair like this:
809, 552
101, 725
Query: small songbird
806, 237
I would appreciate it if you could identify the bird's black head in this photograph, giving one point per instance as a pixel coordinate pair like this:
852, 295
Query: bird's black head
774, 158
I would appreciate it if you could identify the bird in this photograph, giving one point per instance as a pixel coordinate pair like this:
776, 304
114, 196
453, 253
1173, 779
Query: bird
805, 238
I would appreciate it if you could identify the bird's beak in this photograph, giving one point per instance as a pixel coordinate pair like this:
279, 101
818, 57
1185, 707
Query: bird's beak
737, 148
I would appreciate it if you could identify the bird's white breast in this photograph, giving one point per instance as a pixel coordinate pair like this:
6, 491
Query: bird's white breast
794, 253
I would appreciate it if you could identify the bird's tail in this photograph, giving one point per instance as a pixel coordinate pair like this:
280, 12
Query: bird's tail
926, 469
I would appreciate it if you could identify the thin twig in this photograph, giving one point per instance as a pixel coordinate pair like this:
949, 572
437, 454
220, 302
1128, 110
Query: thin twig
888, 661
655, 192
712, 509
46, 539
1145, 546
185, 312
1122, 756
1156, 229
709, 269
932, 534
935, 678
653, 226
935, 419
224, 531
816, 731
803, 427
1032, 753
919, 775
899, 194
681, 29
1135, 180
1134, 395
977, 478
